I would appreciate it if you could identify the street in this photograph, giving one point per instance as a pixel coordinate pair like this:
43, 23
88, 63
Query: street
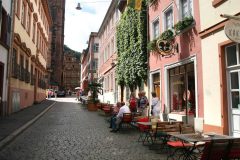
69, 131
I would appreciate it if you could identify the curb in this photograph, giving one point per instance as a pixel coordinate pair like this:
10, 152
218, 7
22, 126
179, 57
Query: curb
18, 131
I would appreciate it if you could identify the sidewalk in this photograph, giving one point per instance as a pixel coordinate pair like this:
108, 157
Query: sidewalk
16, 123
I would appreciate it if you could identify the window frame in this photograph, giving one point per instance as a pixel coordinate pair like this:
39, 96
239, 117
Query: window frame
181, 16
169, 8
153, 28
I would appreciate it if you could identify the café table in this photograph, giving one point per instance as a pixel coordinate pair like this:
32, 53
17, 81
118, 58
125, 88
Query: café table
191, 142
145, 129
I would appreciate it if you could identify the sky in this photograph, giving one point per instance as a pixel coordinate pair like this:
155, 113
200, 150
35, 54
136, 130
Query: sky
80, 23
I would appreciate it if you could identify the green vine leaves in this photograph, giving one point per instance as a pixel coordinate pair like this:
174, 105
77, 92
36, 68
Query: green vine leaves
132, 47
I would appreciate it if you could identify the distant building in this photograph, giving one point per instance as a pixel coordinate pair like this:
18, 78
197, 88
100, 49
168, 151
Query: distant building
71, 71
89, 61
6, 24
32, 21
57, 8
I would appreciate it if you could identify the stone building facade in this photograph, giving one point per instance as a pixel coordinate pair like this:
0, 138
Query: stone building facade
57, 53
71, 72
89, 61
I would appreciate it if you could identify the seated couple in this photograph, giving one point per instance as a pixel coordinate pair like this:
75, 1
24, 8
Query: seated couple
117, 118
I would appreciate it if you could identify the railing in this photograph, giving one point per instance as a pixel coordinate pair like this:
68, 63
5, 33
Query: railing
15, 70
32, 79
27, 76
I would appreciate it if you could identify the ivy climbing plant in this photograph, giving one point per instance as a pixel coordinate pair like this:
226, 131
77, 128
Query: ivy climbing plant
132, 47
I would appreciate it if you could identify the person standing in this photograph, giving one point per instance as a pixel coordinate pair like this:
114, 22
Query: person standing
133, 103
143, 108
155, 106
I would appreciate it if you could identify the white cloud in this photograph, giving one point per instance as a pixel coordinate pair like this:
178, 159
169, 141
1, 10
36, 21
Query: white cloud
80, 23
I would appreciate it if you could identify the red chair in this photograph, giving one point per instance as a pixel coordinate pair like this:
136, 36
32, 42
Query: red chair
216, 149
143, 129
234, 152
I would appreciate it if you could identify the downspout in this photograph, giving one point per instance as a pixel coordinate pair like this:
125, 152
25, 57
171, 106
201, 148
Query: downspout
9, 66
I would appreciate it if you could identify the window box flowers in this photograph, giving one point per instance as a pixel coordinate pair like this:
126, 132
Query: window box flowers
184, 25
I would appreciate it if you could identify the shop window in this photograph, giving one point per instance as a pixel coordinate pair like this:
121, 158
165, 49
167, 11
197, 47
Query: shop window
182, 89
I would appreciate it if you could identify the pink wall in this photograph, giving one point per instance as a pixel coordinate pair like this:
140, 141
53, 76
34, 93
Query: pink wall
189, 44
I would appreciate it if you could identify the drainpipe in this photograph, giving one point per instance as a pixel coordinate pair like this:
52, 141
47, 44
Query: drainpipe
9, 66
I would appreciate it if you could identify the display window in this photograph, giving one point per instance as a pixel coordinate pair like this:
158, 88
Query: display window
182, 89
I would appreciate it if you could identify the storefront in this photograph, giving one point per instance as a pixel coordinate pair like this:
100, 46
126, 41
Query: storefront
181, 91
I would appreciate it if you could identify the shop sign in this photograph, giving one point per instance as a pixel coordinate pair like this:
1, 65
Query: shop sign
232, 30
165, 48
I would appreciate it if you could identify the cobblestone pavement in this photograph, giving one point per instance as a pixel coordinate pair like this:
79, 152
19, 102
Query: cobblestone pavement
69, 132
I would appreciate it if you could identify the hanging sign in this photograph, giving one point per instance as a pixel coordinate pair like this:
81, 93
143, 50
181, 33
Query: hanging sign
165, 48
232, 30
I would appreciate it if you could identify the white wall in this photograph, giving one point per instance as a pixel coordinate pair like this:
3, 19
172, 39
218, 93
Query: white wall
211, 15
211, 78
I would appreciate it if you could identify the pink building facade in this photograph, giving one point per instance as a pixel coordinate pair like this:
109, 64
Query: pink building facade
89, 61
176, 77
108, 54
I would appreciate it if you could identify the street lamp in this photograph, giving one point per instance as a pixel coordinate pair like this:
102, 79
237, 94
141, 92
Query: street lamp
78, 6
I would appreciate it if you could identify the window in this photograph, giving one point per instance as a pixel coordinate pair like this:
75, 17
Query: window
168, 19
95, 64
112, 45
116, 14
182, 88
21, 67
155, 29
108, 51
17, 7
111, 82
23, 15
33, 31
3, 29
28, 24
96, 48
232, 56
186, 8
14, 63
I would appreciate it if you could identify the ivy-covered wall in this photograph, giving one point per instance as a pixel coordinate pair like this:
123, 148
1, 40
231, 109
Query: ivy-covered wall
132, 47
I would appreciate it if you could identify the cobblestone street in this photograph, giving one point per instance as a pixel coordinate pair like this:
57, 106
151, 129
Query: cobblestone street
69, 131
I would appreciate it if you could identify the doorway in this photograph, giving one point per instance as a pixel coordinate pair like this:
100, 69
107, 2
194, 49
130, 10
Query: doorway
233, 77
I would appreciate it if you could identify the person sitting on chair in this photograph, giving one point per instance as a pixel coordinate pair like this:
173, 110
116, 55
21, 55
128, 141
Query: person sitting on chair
115, 112
118, 119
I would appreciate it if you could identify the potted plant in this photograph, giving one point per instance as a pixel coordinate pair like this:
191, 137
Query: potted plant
94, 88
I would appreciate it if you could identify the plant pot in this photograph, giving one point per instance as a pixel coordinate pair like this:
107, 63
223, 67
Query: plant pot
92, 106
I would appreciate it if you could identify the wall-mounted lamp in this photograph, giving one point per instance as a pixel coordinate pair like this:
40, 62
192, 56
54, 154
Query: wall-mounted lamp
78, 6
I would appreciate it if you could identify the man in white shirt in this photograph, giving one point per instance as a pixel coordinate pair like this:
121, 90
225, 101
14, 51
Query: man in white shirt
116, 122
